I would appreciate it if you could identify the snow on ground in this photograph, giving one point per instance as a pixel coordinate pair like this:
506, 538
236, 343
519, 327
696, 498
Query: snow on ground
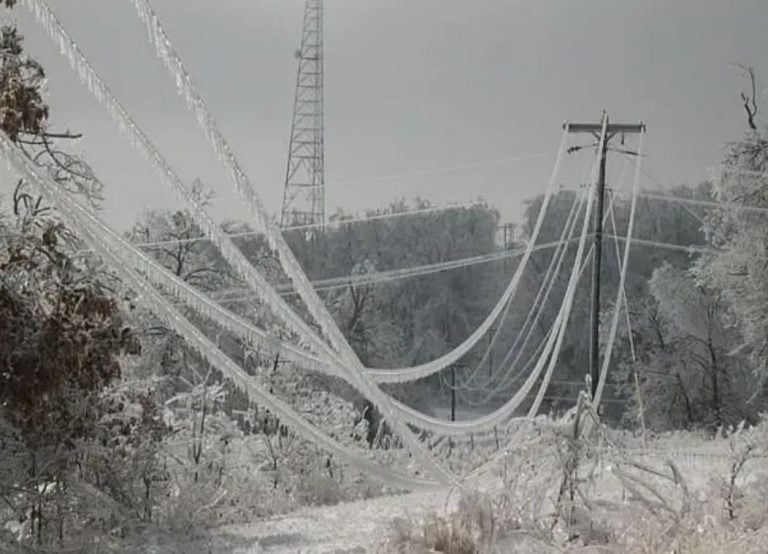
354, 527
365, 526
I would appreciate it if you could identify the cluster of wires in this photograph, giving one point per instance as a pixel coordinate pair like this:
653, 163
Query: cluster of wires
326, 351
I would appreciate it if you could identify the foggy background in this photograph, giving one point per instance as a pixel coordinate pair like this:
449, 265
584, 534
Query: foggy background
413, 88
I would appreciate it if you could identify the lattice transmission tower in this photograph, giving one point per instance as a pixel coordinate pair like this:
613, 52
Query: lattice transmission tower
304, 193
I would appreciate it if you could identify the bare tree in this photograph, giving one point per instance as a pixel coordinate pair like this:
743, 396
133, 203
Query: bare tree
750, 98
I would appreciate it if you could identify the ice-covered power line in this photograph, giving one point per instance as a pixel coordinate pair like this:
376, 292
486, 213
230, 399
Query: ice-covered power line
421, 211
351, 367
394, 274
331, 224
510, 373
547, 280
669, 246
712, 204
349, 364
75, 216
168, 177
597, 391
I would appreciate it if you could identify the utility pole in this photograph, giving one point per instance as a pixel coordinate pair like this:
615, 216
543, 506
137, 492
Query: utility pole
508, 234
453, 393
603, 132
491, 333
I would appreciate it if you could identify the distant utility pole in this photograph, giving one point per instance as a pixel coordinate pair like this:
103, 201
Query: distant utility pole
604, 132
508, 234
304, 193
453, 393
491, 333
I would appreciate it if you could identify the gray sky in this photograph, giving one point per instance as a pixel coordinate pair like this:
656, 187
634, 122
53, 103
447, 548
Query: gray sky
411, 85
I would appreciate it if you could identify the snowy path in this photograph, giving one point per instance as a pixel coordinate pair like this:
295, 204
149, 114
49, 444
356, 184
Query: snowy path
365, 526
345, 528
354, 527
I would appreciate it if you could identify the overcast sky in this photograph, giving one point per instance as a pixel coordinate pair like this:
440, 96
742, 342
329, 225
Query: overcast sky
411, 85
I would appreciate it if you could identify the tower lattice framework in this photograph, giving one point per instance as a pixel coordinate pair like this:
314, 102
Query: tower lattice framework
304, 193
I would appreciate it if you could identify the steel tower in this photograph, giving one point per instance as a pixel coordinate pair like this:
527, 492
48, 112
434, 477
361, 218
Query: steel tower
304, 193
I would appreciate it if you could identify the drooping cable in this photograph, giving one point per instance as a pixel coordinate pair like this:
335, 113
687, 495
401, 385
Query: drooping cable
532, 318
550, 353
98, 89
75, 215
375, 396
529, 326
381, 217
571, 291
290, 265
95, 84
424, 370
317, 309
622, 277
388, 276
565, 236
102, 93
624, 290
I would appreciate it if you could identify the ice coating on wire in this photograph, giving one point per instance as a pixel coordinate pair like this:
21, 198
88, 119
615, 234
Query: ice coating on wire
101, 92
537, 308
290, 265
385, 276
553, 270
169, 177
154, 301
570, 293
622, 277
44, 14
424, 370
550, 352
172, 61
272, 299
205, 119
510, 374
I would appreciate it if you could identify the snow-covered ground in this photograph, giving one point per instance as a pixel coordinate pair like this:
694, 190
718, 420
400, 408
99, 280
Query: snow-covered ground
360, 527
366, 526
354, 527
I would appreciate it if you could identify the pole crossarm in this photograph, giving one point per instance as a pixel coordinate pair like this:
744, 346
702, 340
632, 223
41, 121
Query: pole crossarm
612, 129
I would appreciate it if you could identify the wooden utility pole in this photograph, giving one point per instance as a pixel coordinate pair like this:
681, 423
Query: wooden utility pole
508, 234
604, 132
491, 333
453, 393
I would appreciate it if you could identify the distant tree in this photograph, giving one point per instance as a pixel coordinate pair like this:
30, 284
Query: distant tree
656, 220
739, 236
687, 377
178, 244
